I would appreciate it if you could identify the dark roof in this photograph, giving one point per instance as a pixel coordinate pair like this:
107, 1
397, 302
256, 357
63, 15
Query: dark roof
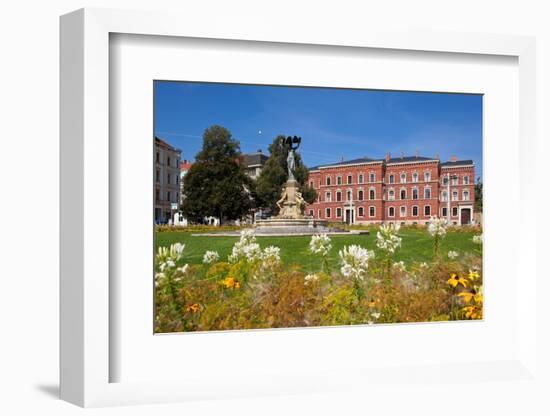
368, 160
457, 163
348, 162
409, 159
254, 159
164, 143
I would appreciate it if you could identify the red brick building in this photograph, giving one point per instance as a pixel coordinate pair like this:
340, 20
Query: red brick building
405, 190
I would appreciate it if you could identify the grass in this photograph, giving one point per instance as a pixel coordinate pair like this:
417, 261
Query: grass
417, 245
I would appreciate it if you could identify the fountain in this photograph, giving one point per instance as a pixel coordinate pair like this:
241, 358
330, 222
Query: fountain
291, 220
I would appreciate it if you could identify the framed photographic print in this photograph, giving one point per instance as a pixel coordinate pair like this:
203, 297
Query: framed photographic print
282, 213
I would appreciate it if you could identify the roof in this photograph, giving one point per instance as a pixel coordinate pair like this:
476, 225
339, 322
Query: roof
254, 159
405, 159
185, 165
451, 163
163, 143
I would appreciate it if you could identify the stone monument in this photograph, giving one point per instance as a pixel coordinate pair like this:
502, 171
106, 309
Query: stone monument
290, 219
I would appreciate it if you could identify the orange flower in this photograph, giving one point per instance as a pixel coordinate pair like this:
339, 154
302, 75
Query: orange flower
194, 308
230, 283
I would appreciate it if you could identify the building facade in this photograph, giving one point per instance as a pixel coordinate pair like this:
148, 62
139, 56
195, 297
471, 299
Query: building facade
254, 163
166, 180
404, 190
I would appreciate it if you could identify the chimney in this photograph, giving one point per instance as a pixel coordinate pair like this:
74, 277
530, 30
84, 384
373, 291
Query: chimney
388, 156
453, 158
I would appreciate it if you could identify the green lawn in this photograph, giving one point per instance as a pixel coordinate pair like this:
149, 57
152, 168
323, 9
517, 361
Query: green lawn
417, 245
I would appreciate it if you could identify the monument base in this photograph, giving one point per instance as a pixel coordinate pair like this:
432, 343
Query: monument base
289, 226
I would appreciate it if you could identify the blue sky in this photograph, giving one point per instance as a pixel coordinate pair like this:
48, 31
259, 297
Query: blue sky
333, 123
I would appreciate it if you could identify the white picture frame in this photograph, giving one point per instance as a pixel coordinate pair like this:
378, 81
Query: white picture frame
85, 235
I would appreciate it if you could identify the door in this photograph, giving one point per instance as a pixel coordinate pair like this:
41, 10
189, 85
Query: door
349, 216
465, 216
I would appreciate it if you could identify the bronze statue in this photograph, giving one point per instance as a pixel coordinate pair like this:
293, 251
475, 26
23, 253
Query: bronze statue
291, 144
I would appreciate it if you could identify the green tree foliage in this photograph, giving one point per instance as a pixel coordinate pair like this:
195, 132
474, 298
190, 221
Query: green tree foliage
217, 185
274, 175
478, 191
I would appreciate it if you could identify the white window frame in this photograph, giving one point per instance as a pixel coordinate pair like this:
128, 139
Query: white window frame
389, 210
374, 213
402, 211
417, 211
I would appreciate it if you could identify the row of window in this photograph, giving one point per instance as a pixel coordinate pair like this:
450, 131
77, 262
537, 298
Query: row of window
391, 179
454, 195
168, 160
454, 180
372, 195
168, 196
372, 211
168, 178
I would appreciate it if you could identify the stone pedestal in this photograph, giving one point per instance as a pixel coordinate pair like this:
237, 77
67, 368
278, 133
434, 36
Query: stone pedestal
291, 202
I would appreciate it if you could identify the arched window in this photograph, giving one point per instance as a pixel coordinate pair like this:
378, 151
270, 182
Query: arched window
391, 195
328, 197
338, 212
328, 180
415, 211
338, 196
427, 210
360, 178
403, 177
444, 196
361, 212
392, 179
372, 177
372, 211
338, 180
349, 195
327, 212
427, 193
391, 212
415, 193
403, 211
360, 195
403, 194
372, 193
427, 176
415, 177
465, 195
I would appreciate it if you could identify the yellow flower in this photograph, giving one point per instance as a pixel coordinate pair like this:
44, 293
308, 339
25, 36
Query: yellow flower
230, 283
455, 280
472, 312
473, 275
467, 296
194, 308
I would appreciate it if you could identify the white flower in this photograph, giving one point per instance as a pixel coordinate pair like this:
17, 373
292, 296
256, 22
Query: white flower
452, 254
311, 278
387, 239
400, 266
437, 227
248, 236
320, 244
182, 269
169, 255
423, 265
271, 255
245, 248
478, 239
168, 264
375, 315
210, 257
354, 260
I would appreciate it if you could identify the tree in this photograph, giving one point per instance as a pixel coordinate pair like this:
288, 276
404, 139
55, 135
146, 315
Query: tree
216, 184
274, 175
478, 195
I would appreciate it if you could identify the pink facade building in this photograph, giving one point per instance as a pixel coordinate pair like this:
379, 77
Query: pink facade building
405, 190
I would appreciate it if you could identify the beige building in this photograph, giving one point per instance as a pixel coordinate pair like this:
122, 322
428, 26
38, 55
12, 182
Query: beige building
166, 180
254, 163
